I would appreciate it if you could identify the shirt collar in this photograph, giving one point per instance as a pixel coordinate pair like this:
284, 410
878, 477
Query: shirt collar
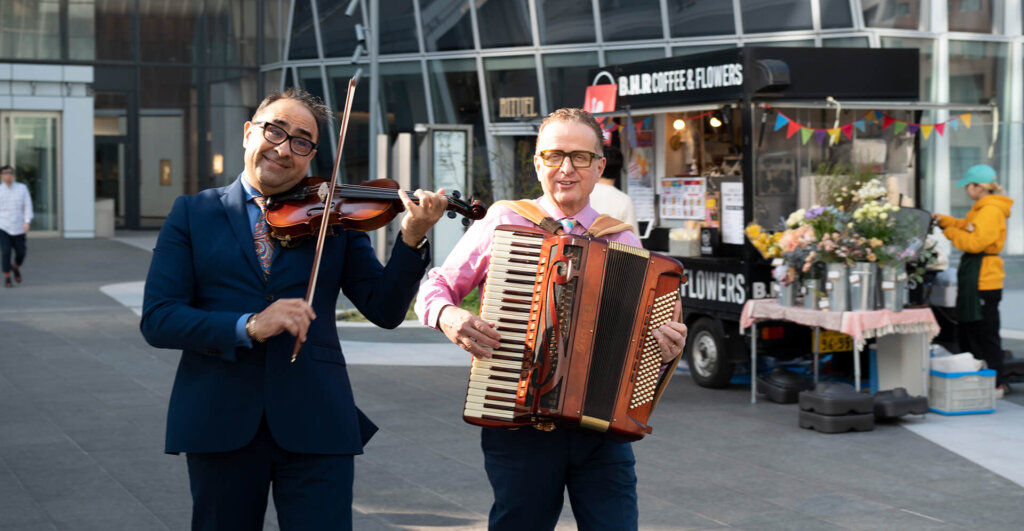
584, 217
250, 192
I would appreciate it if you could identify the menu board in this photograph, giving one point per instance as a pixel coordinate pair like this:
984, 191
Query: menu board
732, 213
683, 197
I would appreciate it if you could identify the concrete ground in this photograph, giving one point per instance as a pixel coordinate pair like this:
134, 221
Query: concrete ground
84, 401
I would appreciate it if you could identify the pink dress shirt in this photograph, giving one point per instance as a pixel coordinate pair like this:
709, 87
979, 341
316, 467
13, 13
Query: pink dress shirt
466, 266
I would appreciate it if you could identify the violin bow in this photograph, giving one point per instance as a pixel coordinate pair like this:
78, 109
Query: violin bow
324, 221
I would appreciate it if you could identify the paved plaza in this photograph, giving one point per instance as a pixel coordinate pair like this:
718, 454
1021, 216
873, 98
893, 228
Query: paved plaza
83, 401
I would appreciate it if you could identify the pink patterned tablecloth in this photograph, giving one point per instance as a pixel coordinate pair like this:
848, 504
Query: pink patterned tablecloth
858, 325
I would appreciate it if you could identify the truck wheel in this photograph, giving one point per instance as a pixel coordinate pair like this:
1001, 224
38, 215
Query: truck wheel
706, 356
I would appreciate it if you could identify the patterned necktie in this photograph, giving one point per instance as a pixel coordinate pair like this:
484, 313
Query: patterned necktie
568, 224
261, 237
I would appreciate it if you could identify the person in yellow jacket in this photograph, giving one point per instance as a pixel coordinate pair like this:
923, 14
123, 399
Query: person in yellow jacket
981, 236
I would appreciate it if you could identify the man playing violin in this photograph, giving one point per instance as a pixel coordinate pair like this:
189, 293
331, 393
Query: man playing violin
529, 469
221, 290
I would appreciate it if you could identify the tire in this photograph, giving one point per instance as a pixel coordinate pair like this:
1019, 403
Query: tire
706, 356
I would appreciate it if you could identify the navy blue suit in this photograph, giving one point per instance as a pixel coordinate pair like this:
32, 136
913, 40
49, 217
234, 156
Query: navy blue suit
205, 275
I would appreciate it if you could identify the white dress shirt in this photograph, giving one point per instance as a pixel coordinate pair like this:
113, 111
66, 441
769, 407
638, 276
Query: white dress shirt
608, 199
15, 208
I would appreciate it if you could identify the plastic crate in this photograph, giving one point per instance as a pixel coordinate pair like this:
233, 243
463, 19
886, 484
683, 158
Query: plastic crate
962, 393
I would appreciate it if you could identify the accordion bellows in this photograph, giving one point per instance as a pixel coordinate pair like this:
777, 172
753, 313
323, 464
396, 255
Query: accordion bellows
576, 316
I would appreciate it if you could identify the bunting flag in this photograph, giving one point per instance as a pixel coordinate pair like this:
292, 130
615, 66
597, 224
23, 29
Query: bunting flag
912, 128
899, 127
954, 124
793, 128
833, 133
887, 121
848, 130
859, 124
806, 133
780, 121
819, 135
966, 118
926, 130
938, 128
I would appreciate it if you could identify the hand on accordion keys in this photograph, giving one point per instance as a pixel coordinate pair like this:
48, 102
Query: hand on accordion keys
671, 336
469, 331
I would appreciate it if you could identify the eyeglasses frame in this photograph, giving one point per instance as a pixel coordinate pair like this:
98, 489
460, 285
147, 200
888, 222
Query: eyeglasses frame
287, 138
569, 156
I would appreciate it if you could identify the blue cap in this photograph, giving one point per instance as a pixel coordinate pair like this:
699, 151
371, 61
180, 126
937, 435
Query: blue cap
979, 173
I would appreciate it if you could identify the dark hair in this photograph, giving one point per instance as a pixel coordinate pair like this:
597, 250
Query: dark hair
6, 167
572, 114
321, 112
613, 166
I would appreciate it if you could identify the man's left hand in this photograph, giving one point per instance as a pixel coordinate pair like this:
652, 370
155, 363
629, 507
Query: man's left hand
26, 227
671, 336
419, 218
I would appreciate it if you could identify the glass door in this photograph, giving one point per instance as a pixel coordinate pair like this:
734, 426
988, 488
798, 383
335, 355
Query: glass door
30, 142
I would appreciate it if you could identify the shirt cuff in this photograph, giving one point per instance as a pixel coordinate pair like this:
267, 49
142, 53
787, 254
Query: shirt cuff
434, 312
242, 338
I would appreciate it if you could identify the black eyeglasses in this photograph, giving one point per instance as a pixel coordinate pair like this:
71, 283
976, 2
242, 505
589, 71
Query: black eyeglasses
275, 135
553, 158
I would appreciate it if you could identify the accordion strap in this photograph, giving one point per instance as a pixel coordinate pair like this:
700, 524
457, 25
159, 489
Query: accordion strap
603, 225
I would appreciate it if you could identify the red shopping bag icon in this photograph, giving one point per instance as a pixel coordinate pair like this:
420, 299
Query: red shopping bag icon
600, 98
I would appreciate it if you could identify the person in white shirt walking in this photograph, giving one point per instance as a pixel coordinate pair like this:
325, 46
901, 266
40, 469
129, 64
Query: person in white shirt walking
15, 218
607, 198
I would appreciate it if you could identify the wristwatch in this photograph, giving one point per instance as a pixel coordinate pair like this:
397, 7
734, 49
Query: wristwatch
250, 329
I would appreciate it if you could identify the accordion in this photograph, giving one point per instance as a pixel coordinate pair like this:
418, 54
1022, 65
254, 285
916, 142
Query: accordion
576, 316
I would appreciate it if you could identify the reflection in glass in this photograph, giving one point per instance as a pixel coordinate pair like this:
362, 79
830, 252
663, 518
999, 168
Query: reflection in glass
775, 15
397, 27
506, 23
835, 14
902, 14
846, 42
690, 50
33, 143
165, 127
355, 161
338, 29
801, 43
970, 15
114, 30
170, 34
566, 76
231, 32
924, 47
512, 87
565, 21
621, 57
271, 81
700, 17
403, 100
232, 96
81, 30
632, 20
310, 81
30, 30
446, 25
275, 17
456, 99
303, 40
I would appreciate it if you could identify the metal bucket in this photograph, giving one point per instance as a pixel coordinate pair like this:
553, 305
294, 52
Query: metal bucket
811, 293
837, 287
786, 293
893, 284
863, 283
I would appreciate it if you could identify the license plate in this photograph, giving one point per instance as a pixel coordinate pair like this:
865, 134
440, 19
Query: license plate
831, 341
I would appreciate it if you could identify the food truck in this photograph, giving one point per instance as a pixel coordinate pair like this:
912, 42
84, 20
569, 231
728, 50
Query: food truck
716, 141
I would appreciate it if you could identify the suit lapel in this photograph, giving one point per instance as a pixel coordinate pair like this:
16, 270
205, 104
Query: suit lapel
233, 200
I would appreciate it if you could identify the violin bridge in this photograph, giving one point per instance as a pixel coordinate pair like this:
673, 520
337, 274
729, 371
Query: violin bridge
322, 192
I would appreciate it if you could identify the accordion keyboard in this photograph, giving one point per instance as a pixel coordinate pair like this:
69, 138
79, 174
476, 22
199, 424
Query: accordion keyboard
506, 300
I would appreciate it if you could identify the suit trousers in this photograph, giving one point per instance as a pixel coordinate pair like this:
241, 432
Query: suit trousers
529, 471
229, 489
7, 242
981, 338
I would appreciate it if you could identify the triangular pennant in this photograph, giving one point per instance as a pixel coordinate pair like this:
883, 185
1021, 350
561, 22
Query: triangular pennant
833, 136
639, 126
954, 123
792, 129
887, 121
819, 135
939, 128
848, 130
780, 121
859, 124
966, 117
870, 116
647, 123
899, 127
927, 130
912, 129
806, 133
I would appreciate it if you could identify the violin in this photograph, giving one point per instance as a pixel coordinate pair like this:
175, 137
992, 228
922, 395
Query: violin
298, 212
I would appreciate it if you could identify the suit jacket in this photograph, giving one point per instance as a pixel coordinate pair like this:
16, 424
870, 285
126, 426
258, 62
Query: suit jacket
205, 275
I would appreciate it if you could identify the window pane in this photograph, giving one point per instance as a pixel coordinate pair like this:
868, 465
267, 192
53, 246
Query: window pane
621, 57
114, 30
846, 42
30, 29
924, 47
82, 29
835, 14
271, 81
311, 81
403, 100
631, 20
337, 30
231, 32
355, 167
970, 15
168, 32
232, 96
692, 18
398, 27
690, 50
775, 15
303, 42
446, 25
456, 100
168, 140
504, 24
566, 76
512, 88
802, 43
565, 21
902, 14
275, 16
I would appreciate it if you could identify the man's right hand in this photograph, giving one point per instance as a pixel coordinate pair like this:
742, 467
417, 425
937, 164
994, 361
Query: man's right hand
284, 315
468, 331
